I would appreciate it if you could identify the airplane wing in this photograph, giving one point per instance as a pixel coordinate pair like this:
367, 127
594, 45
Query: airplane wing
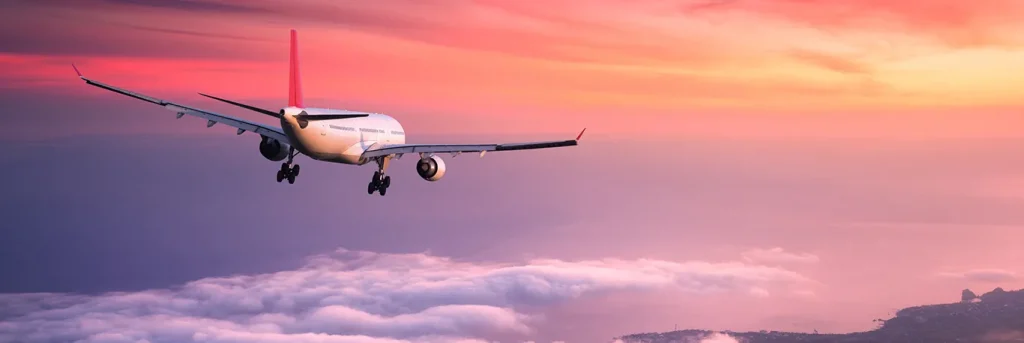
211, 118
460, 148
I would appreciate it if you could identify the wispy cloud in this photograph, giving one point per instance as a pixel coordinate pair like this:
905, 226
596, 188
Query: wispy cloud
952, 22
982, 275
834, 62
504, 27
777, 255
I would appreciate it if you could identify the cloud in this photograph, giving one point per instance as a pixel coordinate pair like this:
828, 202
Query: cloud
719, 337
606, 32
604, 54
187, 5
351, 296
804, 293
777, 255
1002, 336
759, 292
982, 275
953, 22
125, 28
576, 30
833, 62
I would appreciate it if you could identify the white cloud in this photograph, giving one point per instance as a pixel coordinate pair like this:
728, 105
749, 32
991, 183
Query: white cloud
982, 275
718, 337
777, 255
351, 296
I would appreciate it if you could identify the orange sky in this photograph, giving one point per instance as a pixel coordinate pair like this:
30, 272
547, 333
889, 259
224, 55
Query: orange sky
889, 218
734, 68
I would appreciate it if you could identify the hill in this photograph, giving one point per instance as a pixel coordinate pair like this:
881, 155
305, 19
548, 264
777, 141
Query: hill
997, 316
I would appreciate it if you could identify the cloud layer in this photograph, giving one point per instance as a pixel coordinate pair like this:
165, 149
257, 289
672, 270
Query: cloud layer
350, 296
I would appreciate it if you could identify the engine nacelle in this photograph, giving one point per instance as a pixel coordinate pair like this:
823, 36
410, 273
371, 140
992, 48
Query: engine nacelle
430, 168
273, 150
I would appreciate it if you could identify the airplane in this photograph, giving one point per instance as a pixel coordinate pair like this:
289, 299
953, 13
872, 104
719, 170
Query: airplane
338, 136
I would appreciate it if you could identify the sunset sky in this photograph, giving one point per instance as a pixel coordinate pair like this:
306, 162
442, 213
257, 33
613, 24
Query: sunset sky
736, 68
749, 164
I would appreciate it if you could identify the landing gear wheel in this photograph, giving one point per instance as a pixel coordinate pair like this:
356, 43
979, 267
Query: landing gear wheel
289, 172
380, 181
288, 169
384, 184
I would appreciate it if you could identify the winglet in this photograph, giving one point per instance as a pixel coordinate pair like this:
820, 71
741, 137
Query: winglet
581, 134
76, 71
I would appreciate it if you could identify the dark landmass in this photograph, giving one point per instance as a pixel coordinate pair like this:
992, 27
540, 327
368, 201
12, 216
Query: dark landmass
996, 316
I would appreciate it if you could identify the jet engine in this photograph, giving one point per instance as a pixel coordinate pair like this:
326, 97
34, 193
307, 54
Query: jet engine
273, 150
430, 168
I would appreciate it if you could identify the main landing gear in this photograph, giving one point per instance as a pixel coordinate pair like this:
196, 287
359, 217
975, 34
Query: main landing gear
288, 171
380, 181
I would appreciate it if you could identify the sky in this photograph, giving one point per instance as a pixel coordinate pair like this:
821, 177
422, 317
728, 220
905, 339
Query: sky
748, 165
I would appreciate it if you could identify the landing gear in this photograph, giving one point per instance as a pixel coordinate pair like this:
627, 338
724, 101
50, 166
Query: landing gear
379, 184
288, 171
380, 181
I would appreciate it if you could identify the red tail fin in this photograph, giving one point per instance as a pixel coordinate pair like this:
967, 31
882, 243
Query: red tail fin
294, 79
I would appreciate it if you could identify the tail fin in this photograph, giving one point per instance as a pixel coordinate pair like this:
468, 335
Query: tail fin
294, 79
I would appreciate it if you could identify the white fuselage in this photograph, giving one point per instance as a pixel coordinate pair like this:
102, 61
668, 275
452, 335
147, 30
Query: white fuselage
340, 140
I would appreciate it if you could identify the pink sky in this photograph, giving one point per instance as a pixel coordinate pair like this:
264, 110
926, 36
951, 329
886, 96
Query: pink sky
666, 68
885, 182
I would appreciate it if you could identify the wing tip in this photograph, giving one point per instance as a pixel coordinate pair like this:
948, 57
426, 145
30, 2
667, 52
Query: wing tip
77, 72
581, 134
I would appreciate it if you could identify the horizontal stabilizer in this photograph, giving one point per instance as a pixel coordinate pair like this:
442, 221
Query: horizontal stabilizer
248, 107
302, 116
307, 117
